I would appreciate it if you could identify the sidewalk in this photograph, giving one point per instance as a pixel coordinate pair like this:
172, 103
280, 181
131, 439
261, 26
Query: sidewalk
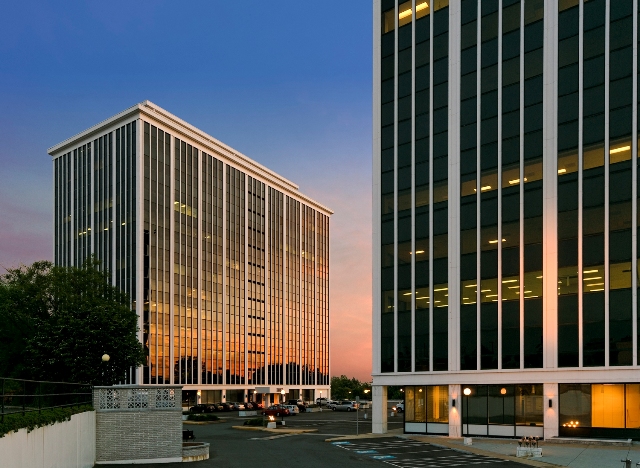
556, 454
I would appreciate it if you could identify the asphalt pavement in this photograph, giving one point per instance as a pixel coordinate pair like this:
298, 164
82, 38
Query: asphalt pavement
232, 448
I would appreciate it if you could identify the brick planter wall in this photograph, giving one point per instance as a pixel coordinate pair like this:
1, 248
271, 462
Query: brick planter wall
135, 423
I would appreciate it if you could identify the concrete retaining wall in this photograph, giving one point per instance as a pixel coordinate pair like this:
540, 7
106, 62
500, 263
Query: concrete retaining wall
68, 444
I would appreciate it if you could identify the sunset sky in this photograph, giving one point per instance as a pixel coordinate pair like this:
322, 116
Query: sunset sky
286, 83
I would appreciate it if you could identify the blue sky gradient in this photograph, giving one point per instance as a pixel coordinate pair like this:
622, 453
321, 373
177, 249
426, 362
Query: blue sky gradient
286, 83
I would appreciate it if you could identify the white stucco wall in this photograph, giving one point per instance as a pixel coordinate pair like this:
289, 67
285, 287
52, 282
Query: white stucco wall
70, 444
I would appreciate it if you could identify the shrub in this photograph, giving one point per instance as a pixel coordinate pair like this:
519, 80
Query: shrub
253, 422
202, 417
33, 420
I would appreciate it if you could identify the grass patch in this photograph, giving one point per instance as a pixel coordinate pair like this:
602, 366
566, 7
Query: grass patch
202, 417
253, 422
31, 421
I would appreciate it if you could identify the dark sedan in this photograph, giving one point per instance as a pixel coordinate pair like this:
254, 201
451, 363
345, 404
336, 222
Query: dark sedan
202, 409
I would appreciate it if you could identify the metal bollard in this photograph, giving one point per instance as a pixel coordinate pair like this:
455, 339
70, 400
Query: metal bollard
627, 463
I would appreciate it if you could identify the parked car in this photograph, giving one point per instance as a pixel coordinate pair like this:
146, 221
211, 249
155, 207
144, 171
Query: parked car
331, 404
293, 409
276, 410
299, 403
238, 406
248, 405
226, 406
202, 408
399, 407
346, 405
321, 401
257, 405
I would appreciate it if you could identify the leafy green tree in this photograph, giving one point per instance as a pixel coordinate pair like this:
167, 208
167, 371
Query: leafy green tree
63, 320
345, 388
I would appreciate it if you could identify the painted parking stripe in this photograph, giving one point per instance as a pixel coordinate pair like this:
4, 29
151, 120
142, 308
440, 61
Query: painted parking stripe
341, 443
366, 451
382, 457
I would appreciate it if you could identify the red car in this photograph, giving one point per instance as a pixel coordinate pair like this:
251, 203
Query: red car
276, 410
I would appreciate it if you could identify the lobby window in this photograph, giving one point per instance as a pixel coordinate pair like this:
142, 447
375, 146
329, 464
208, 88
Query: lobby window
415, 404
427, 404
594, 406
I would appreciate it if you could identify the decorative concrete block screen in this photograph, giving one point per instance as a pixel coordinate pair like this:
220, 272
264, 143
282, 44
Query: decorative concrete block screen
138, 424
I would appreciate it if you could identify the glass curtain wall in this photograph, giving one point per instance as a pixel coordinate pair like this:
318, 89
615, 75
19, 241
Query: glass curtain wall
275, 284
62, 213
422, 185
125, 211
82, 203
511, 183
322, 291
440, 174
620, 182
488, 193
468, 186
293, 306
211, 273
308, 312
403, 180
532, 179
185, 278
568, 185
387, 142
593, 180
103, 200
157, 255
256, 315
235, 277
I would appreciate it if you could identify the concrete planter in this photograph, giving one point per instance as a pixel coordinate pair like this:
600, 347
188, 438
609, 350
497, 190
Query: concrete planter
195, 451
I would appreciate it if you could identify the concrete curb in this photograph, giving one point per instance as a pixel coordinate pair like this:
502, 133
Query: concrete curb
276, 431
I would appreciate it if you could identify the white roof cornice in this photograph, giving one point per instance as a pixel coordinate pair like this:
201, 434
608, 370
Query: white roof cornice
150, 111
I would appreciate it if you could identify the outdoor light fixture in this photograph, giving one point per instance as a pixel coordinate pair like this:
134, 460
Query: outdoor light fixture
467, 391
550, 403
105, 358
453, 403
503, 391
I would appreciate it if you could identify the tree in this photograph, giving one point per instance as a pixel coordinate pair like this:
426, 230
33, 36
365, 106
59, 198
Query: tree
64, 320
345, 388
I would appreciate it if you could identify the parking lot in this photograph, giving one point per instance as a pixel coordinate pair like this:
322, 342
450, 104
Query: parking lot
230, 448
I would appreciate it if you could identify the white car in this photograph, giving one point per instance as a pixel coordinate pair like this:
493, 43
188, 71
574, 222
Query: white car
293, 409
399, 407
345, 405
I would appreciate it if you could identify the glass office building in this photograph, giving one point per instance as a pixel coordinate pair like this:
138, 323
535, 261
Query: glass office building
505, 214
225, 261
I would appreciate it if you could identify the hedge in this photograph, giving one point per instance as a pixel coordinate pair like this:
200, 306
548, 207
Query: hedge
33, 420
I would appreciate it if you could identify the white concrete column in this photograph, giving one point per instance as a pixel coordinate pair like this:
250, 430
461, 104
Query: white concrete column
551, 415
455, 415
379, 410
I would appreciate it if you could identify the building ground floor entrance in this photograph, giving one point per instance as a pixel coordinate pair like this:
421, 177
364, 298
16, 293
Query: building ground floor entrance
545, 410
265, 395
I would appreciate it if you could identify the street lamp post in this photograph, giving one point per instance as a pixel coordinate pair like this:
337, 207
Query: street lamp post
282, 398
105, 372
467, 392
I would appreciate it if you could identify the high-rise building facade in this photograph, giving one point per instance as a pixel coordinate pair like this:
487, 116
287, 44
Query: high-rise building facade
505, 200
225, 261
